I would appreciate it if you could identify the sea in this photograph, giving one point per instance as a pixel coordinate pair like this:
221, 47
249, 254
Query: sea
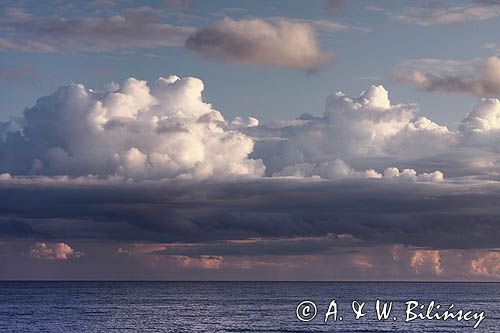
244, 306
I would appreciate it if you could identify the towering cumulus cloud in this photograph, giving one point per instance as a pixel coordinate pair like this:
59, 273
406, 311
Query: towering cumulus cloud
367, 129
166, 131
135, 131
140, 131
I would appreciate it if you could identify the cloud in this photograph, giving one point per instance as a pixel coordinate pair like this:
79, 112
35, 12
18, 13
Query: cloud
484, 81
204, 262
53, 251
363, 136
365, 176
372, 211
338, 169
426, 260
446, 264
485, 118
493, 47
279, 43
434, 12
352, 263
141, 248
363, 131
481, 127
25, 46
26, 33
14, 228
162, 131
195, 261
486, 265
274, 41
326, 26
330, 243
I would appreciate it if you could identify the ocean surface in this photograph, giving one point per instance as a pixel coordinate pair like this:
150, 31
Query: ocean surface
235, 306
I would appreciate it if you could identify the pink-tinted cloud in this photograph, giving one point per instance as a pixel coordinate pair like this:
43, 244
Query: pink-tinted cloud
53, 251
422, 260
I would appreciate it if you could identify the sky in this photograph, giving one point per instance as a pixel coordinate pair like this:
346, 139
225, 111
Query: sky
250, 140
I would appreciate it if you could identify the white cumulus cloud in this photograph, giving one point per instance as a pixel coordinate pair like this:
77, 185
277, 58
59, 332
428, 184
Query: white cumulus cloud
354, 129
336, 169
165, 130
339, 169
139, 131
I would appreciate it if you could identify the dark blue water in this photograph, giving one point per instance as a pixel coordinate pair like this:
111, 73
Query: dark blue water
232, 306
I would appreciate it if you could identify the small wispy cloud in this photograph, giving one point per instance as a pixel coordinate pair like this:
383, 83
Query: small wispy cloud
431, 13
494, 47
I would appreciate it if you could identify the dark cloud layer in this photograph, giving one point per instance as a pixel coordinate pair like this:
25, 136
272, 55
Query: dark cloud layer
425, 215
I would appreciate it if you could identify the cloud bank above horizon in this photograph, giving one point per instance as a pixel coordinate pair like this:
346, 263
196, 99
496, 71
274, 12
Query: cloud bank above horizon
154, 163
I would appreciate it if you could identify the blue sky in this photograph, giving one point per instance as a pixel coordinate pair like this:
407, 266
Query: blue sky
362, 59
